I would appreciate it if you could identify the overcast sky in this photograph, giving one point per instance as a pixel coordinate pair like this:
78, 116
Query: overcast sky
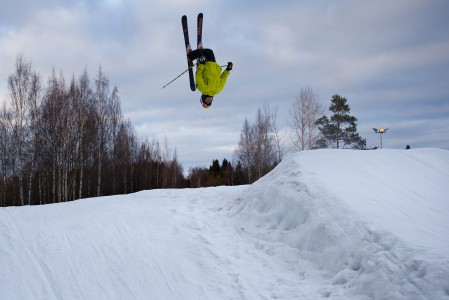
390, 59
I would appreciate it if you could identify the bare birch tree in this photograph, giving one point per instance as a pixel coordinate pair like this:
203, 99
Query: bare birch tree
35, 139
6, 163
23, 89
101, 94
116, 121
246, 150
259, 149
305, 111
53, 124
82, 110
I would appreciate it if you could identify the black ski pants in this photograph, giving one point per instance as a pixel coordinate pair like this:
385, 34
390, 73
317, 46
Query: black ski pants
202, 55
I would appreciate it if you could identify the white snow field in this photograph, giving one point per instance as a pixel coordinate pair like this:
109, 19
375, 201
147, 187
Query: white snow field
325, 224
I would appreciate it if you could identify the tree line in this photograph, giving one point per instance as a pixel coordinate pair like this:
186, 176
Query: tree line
69, 140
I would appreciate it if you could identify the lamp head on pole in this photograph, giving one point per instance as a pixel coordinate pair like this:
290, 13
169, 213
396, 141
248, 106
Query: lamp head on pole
380, 130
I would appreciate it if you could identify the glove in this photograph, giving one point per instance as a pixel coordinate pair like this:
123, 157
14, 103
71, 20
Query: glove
229, 67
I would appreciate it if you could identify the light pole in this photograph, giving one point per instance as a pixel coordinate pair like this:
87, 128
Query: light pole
380, 132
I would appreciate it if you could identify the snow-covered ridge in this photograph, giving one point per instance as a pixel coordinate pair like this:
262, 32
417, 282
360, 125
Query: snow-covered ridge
376, 220
335, 224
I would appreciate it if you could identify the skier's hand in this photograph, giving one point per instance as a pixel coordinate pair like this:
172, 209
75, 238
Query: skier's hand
229, 67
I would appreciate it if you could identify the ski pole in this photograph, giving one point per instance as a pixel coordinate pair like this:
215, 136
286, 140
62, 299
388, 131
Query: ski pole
183, 74
177, 77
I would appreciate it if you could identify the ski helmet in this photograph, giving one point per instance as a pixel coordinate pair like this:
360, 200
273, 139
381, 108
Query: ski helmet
206, 100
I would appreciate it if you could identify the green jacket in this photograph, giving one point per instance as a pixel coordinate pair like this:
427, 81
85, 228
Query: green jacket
209, 78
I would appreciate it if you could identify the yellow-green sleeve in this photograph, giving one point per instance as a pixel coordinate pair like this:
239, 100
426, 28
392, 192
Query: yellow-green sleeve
199, 77
223, 78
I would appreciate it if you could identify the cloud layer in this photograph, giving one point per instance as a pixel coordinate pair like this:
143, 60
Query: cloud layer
389, 59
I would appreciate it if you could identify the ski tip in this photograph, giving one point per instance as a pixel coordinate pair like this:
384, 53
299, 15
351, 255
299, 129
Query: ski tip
200, 15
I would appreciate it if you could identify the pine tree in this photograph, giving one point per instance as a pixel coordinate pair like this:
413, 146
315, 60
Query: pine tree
340, 131
215, 169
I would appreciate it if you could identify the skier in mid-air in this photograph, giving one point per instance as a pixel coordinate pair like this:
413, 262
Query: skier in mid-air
210, 80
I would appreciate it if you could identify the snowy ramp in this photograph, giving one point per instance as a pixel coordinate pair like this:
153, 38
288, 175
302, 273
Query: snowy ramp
377, 221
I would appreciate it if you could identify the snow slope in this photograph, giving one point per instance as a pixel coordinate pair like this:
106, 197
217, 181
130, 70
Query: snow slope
332, 224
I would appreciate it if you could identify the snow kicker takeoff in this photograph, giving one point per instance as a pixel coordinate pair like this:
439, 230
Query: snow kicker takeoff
210, 80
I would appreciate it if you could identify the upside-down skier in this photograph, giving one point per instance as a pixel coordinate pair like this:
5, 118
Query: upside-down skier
210, 80
209, 77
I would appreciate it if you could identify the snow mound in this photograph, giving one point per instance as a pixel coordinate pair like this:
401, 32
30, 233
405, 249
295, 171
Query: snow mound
376, 221
332, 224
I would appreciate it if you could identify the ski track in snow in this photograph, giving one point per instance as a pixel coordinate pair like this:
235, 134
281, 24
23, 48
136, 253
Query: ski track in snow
322, 225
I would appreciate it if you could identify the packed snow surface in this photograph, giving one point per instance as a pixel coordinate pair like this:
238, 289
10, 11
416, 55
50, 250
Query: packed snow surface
325, 224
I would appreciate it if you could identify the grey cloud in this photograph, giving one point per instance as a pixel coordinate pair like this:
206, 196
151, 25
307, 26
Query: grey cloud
388, 58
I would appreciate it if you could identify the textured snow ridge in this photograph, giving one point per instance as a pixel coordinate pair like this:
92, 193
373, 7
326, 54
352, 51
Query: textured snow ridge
367, 218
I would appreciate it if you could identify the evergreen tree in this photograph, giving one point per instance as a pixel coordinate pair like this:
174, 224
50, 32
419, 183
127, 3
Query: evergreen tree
215, 169
340, 131
227, 172
225, 164
240, 177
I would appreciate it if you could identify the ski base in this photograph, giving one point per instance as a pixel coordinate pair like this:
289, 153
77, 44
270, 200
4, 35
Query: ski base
188, 49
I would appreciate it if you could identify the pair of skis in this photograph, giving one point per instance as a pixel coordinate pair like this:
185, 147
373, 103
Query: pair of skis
189, 48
